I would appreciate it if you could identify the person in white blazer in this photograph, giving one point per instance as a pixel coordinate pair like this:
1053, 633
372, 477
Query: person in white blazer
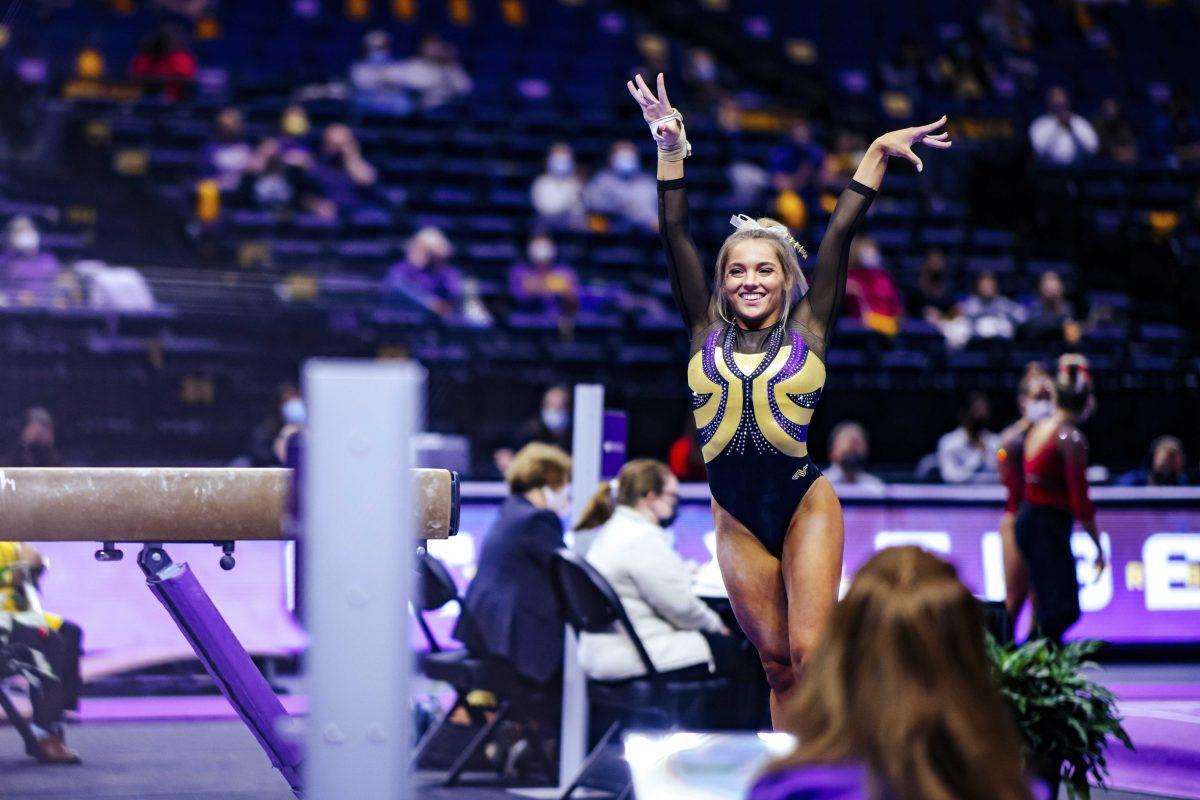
635, 553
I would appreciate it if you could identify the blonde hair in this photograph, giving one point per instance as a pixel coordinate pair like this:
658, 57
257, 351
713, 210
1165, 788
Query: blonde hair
901, 682
536, 465
636, 479
795, 285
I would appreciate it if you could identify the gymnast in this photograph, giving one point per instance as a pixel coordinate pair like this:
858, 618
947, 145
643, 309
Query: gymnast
1053, 494
756, 370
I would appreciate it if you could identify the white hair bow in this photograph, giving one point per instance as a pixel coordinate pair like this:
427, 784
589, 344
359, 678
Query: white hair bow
745, 223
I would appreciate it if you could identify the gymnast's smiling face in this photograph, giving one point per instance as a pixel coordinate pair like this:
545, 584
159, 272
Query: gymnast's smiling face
755, 282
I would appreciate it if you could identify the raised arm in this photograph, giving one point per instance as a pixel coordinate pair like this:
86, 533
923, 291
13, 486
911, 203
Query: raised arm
819, 310
689, 284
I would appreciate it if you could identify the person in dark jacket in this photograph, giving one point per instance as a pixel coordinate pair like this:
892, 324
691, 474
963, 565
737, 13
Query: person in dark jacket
511, 614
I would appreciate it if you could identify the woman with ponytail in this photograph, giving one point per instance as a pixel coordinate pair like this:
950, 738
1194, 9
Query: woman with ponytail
1053, 495
634, 553
759, 337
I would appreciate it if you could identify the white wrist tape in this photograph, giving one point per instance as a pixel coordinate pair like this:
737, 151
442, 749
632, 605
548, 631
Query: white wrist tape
681, 149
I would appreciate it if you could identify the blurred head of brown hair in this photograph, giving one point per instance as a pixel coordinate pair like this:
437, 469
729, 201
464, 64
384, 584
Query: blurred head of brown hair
637, 479
537, 465
901, 683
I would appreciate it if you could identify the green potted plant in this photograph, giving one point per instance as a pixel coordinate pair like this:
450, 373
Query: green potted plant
1064, 718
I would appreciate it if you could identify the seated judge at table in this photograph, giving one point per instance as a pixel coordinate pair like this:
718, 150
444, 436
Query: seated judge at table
518, 624
635, 554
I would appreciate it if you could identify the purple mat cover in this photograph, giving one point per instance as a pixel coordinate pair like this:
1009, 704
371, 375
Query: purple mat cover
229, 665
1163, 720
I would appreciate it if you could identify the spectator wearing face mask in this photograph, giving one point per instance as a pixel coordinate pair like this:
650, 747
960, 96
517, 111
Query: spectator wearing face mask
849, 449
541, 283
988, 313
28, 275
268, 440
1049, 314
624, 193
635, 552
518, 625
434, 74
228, 155
1060, 137
557, 194
871, 293
340, 174
425, 275
552, 425
378, 79
1168, 466
967, 454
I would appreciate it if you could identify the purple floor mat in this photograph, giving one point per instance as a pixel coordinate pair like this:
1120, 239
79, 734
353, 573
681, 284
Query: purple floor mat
1164, 722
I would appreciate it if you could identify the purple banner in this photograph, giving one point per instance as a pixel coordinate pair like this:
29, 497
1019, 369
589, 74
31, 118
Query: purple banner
612, 444
1150, 594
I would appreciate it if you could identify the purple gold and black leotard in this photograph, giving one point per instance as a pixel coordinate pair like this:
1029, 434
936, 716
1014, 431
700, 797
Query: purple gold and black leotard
754, 392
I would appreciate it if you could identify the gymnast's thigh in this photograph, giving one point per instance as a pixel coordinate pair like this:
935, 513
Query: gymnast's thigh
812, 566
754, 581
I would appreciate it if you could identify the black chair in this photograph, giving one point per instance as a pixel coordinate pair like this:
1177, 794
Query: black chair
465, 672
652, 700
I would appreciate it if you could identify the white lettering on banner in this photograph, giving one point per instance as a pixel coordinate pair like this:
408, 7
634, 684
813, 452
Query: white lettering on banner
1170, 559
933, 541
994, 585
1097, 595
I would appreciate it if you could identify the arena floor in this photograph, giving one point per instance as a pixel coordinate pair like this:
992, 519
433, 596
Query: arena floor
206, 757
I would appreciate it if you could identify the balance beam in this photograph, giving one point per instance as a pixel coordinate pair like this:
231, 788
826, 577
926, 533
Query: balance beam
154, 504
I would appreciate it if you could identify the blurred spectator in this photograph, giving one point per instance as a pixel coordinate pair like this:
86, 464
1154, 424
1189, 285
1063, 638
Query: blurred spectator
28, 275
378, 79
963, 71
842, 160
543, 284
796, 164
848, 453
906, 69
425, 274
933, 300
228, 155
268, 439
1060, 137
700, 80
871, 293
557, 193
36, 445
552, 425
1168, 466
18, 644
623, 192
989, 313
164, 62
967, 454
340, 174
434, 74
1117, 140
277, 179
293, 131
1177, 129
1008, 24
1050, 312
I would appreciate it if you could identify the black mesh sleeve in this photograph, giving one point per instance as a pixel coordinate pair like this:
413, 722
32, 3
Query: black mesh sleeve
818, 311
689, 284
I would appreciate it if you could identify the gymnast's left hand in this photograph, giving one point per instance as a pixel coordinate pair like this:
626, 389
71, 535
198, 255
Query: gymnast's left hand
900, 143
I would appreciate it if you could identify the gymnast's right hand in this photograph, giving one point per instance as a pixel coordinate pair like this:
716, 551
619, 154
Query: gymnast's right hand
657, 110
